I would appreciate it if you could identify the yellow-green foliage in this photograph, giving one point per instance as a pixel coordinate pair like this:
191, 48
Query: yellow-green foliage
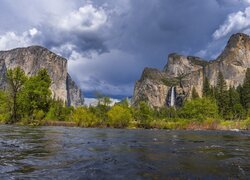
4, 107
241, 124
247, 124
84, 118
199, 109
38, 114
119, 116
165, 124
144, 114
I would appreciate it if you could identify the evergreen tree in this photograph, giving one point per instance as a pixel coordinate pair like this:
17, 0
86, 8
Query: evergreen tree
246, 90
235, 108
195, 95
222, 95
206, 91
240, 92
16, 79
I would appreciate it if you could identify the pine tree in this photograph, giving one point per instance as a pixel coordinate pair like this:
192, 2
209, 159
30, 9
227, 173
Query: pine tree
246, 90
222, 95
195, 95
206, 91
240, 92
236, 110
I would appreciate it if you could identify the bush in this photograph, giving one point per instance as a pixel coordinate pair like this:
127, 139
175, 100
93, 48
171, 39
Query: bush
84, 118
164, 112
143, 114
58, 111
119, 116
199, 109
39, 115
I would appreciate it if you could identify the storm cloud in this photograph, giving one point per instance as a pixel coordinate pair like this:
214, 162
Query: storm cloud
108, 43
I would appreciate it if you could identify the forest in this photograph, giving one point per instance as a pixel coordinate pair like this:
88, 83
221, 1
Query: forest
29, 101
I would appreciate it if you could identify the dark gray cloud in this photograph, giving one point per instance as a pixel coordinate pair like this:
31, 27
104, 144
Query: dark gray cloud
108, 42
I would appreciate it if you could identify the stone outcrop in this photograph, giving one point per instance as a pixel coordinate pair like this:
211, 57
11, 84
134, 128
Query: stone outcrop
33, 58
150, 88
73, 93
184, 73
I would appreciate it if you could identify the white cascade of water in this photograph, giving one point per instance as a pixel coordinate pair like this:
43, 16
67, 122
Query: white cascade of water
172, 97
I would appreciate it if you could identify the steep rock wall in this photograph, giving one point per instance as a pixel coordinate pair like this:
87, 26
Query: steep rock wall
184, 73
33, 58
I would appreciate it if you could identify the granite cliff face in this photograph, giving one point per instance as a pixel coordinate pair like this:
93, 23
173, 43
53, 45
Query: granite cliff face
33, 58
183, 73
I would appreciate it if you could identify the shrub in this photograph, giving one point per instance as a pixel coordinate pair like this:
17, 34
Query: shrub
143, 114
199, 109
84, 118
119, 116
58, 111
39, 114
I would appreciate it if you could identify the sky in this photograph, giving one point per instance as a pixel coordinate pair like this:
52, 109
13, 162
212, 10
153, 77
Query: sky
108, 43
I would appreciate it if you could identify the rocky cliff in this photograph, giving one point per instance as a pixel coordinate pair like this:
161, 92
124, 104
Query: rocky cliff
182, 73
33, 58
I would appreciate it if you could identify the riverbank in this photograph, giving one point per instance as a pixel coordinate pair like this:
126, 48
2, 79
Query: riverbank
161, 124
208, 124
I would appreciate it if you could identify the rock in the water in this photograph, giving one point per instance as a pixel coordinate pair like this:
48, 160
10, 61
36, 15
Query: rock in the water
184, 73
31, 60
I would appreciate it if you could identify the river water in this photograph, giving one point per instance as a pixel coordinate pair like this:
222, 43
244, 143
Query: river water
76, 153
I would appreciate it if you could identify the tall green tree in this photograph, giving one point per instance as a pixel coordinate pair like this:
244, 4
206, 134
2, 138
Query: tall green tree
222, 95
16, 79
4, 106
240, 92
246, 90
36, 95
236, 110
206, 91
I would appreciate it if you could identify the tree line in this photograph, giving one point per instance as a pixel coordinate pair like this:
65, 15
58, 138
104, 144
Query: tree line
29, 100
233, 102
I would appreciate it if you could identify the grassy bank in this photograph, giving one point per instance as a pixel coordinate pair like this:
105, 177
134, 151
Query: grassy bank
180, 124
205, 125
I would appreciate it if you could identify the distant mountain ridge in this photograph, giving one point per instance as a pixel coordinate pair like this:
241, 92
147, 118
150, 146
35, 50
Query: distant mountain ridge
33, 58
154, 85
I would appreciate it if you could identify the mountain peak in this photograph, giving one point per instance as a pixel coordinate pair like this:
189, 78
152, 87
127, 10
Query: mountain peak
237, 49
190, 72
237, 40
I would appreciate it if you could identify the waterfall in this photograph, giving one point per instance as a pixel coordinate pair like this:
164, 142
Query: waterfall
172, 97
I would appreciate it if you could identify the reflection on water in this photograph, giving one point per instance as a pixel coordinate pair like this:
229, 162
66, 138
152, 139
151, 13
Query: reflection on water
75, 153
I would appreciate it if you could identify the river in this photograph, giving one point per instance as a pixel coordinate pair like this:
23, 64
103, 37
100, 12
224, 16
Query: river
76, 153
